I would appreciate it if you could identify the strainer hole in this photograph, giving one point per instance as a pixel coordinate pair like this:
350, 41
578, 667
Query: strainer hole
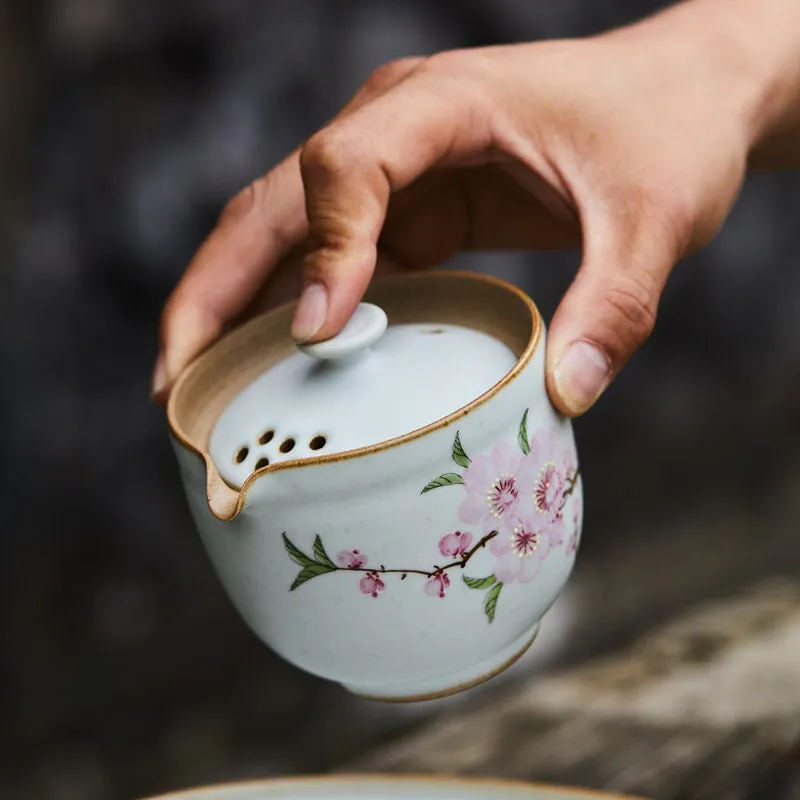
287, 445
318, 442
241, 454
266, 437
262, 462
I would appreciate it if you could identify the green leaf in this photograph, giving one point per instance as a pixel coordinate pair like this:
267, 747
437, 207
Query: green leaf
298, 556
448, 479
313, 570
490, 604
459, 456
321, 555
524, 445
480, 583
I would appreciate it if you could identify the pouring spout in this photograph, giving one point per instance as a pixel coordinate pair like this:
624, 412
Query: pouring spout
223, 501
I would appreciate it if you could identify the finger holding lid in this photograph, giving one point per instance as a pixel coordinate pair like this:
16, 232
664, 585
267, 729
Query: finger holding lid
257, 232
351, 168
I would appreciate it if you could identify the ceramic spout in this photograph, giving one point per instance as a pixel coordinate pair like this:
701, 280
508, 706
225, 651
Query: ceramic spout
223, 501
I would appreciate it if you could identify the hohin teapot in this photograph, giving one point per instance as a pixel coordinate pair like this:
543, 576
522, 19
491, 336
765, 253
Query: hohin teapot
395, 508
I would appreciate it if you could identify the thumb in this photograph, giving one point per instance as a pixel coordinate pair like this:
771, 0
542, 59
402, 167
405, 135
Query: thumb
607, 314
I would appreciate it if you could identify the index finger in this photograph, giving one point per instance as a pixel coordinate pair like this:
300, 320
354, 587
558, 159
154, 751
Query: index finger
351, 168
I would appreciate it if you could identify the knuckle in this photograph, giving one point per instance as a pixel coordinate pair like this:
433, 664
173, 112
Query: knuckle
327, 153
463, 81
448, 62
240, 204
635, 303
388, 75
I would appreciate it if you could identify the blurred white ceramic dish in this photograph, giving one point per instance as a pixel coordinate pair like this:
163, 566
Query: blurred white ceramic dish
389, 788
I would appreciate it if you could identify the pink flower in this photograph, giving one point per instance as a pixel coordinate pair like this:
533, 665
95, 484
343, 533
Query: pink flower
552, 468
372, 584
494, 487
351, 559
455, 544
548, 489
556, 532
520, 549
437, 585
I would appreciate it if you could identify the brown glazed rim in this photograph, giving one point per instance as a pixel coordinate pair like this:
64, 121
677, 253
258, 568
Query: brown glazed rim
364, 779
210, 382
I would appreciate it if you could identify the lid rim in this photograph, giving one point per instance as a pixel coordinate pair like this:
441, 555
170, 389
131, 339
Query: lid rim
226, 502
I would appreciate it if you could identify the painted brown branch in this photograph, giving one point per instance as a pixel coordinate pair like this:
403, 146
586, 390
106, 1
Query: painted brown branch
461, 562
571, 484
468, 555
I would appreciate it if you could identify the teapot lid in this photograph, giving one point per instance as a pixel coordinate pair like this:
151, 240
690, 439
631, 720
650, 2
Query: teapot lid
372, 382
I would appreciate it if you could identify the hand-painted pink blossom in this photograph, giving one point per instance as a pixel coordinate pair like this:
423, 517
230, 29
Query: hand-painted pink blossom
493, 485
548, 490
552, 466
520, 549
556, 531
372, 584
437, 585
455, 544
351, 559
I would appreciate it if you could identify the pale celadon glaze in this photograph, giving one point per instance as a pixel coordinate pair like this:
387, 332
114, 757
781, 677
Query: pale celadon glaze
409, 377
415, 570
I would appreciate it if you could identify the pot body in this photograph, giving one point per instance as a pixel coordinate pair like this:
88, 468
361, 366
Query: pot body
415, 570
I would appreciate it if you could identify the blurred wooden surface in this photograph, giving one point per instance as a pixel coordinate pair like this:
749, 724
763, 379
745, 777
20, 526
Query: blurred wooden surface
707, 707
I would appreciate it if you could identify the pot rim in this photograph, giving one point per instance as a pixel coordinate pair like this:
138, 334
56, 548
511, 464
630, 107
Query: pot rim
226, 503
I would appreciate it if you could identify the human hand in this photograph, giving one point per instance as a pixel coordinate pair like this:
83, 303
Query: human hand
633, 144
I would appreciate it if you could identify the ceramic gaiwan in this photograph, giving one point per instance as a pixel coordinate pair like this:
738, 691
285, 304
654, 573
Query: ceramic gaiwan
396, 508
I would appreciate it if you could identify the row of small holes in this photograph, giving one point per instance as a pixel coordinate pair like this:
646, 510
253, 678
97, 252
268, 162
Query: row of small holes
286, 446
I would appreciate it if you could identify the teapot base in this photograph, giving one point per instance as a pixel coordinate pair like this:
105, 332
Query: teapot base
445, 686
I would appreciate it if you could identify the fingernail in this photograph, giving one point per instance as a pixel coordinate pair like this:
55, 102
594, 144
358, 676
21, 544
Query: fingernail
581, 375
159, 379
311, 311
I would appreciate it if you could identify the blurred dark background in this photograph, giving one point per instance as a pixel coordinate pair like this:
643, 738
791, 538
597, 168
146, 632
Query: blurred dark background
125, 125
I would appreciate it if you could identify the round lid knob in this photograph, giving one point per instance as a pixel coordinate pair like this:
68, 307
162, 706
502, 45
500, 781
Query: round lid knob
365, 327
